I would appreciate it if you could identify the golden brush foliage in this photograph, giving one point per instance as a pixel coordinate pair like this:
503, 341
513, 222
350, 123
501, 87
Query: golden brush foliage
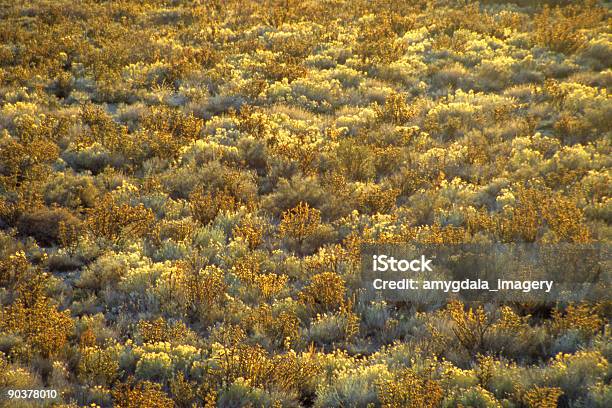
281, 328
114, 221
396, 110
300, 222
247, 269
561, 29
251, 231
98, 365
206, 205
32, 314
41, 323
186, 187
144, 394
469, 326
583, 318
159, 330
543, 397
410, 390
27, 158
533, 210
203, 288
303, 150
325, 292
377, 40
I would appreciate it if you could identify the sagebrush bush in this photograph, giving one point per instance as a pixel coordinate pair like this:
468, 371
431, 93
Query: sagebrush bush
46, 224
186, 189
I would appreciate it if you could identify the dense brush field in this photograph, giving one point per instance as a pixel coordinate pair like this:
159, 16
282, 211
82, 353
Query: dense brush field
185, 186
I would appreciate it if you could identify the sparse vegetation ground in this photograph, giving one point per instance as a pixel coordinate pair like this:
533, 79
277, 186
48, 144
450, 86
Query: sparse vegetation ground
185, 186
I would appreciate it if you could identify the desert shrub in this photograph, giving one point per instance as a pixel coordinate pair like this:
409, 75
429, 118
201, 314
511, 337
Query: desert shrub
250, 230
193, 183
142, 276
154, 366
470, 326
356, 161
462, 333
141, 394
314, 93
373, 199
533, 208
176, 230
239, 183
583, 318
12, 376
182, 390
564, 219
375, 316
206, 205
511, 335
377, 41
192, 290
456, 378
166, 119
159, 330
396, 110
289, 193
99, 366
93, 330
250, 362
352, 386
473, 397
254, 154
40, 323
600, 395
241, 393
300, 223
560, 28
326, 292
543, 397
14, 270
32, 315
45, 224
598, 53
105, 270
94, 158
19, 165
496, 73
407, 389
71, 191
100, 128
249, 270
454, 76
165, 131
282, 327
351, 121
302, 149
333, 328
573, 373
499, 376
114, 221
